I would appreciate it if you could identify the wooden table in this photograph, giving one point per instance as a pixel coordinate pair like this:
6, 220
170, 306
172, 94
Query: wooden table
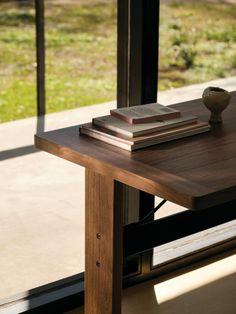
196, 172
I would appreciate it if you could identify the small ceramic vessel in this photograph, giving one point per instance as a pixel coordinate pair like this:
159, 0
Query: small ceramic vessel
216, 100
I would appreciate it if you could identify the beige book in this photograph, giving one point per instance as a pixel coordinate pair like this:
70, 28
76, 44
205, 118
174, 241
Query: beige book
133, 130
131, 144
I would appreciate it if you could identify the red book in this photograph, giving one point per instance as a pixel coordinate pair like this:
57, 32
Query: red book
145, 113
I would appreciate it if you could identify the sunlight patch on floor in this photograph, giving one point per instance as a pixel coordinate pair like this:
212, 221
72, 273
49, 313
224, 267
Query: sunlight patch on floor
195, 279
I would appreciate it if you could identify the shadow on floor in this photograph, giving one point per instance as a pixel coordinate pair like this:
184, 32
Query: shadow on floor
25, 150
18, 152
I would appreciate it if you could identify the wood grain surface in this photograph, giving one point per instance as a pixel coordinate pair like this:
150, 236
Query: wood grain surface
195, 172
103, 245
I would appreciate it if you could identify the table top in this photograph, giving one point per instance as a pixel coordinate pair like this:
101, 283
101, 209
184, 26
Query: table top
195, 172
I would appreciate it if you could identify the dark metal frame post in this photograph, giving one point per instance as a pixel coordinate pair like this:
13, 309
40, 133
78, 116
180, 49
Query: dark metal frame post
40, 54
138, 24
137, 63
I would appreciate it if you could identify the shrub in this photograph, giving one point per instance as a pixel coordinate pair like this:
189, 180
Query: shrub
188, 55
179, 39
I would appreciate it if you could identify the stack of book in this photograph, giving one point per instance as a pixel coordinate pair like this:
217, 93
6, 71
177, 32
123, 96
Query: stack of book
142, 126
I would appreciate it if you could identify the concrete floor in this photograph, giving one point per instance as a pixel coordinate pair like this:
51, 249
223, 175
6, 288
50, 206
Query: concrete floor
207, 288
42, 199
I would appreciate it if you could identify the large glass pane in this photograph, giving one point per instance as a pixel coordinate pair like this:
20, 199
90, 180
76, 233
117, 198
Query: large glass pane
42, 197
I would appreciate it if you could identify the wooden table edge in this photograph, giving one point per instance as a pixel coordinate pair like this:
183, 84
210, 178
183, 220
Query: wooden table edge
196, 202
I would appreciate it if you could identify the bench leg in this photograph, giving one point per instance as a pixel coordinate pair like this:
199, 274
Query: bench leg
103, 245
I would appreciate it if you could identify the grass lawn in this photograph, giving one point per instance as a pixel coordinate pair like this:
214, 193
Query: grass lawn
197, 43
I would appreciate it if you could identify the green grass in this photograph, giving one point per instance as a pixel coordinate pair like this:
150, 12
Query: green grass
81, 52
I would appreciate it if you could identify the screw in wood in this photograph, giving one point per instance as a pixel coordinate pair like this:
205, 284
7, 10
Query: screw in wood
98, 236
98, 264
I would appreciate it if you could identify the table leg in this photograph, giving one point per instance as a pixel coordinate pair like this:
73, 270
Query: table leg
103, 245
